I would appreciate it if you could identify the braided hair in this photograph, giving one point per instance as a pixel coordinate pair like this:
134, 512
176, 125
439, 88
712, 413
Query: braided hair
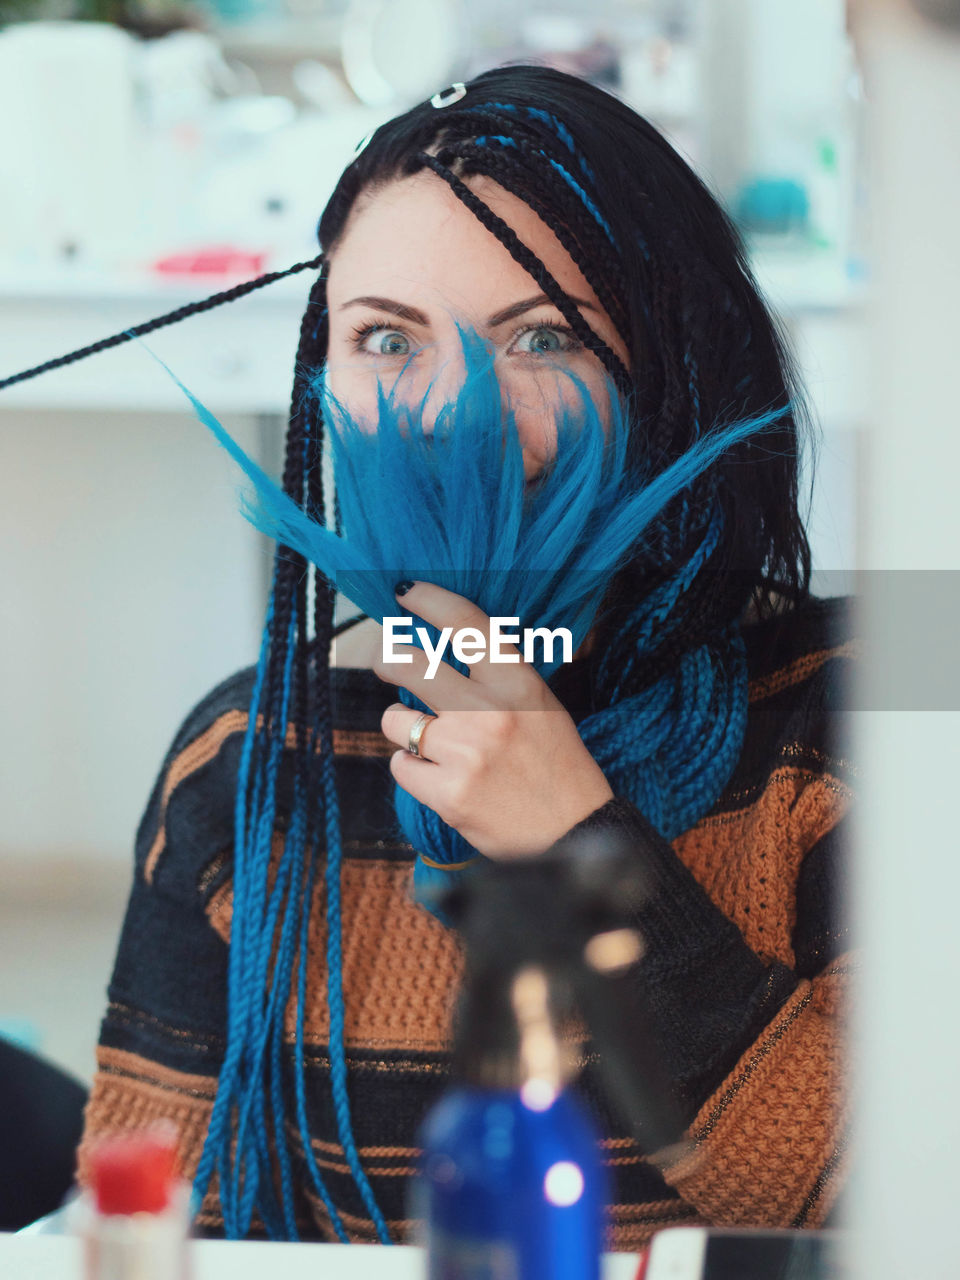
668, 267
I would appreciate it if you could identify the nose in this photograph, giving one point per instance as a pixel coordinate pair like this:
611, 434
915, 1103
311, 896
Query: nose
434, 385
439, 389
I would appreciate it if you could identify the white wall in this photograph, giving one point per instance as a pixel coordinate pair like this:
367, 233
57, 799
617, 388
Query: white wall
909, 865
129, 585
831, 350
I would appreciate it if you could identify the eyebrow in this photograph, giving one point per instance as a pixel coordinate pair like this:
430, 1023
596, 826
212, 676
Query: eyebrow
404, 312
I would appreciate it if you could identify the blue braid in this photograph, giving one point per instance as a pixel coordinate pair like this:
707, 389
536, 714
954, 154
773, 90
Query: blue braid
562, 132
338, 1060
255, 1101
295, 849
690, 365
484, 138
647, 622
707, 710
215, 1154
237, 1081
537, 113
298, 1062
566, 137
668, 753
692, 720
289, 877
588, 203
248, 898
323, 730
252, 1072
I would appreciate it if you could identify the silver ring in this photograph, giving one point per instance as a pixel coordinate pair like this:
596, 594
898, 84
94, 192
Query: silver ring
446, 97
416, 733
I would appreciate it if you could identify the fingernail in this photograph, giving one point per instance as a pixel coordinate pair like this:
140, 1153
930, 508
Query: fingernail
402, 588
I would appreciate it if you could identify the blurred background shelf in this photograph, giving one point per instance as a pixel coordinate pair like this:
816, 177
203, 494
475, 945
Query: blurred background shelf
239, 358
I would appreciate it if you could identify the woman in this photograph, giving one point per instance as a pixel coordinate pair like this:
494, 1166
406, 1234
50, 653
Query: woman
297, 1031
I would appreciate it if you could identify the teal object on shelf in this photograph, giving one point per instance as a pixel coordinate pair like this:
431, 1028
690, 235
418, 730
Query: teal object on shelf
237, 12
778, 205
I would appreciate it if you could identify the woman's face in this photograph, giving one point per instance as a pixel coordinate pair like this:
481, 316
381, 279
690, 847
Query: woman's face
413, 261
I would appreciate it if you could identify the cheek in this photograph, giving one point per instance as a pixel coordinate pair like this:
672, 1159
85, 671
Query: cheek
537, 430
356, 390
595, 387
539, 399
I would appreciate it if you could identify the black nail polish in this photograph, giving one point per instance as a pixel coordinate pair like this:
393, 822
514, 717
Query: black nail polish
402, 588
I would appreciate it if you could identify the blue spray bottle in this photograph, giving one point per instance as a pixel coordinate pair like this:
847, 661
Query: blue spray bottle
512, 1185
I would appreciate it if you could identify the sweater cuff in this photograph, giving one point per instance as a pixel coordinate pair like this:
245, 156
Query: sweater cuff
709, 993
678, 915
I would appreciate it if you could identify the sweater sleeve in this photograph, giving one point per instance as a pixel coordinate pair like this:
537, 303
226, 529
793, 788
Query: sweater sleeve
755, 1049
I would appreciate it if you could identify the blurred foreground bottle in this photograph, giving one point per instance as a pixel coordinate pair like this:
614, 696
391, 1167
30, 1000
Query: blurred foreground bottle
513, 1186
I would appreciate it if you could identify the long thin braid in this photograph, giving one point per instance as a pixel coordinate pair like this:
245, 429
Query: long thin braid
539, 171
483, 159
252, 933
315, 742
533, 142
532, 264
322, 720
160, 322
540, 160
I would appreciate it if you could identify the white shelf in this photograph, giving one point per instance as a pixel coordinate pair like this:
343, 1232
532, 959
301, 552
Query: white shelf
239, 357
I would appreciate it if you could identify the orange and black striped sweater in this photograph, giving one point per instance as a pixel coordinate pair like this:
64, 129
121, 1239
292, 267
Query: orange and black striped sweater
747, 958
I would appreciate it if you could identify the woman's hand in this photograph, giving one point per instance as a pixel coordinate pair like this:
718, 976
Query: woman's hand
502, 762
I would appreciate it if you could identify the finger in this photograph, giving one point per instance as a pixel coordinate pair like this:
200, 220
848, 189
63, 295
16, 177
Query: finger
398, 721
445, 690
442, 607
497, 664
420, 778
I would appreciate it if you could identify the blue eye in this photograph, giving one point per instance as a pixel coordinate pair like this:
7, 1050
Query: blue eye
546, 339
391, 342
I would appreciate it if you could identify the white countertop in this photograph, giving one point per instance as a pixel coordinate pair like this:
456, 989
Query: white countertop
59, 1258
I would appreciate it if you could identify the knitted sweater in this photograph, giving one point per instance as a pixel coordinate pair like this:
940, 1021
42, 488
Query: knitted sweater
746, 961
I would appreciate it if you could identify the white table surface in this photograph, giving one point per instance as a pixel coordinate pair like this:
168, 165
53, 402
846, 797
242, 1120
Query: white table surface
59, 1258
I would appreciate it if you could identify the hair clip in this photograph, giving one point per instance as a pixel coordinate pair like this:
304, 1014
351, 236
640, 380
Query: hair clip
448, 96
